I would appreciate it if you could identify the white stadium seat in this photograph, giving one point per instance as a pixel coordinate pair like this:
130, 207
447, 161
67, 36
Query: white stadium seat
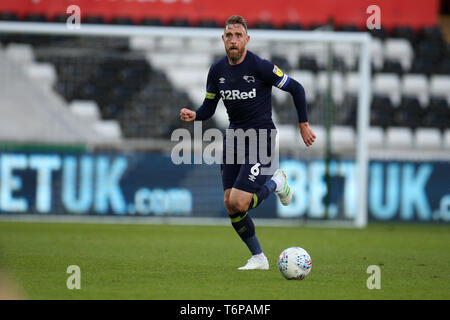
142, 43
337, 83
347, 52
308, 81
88, 110
440, 86
416, 85
388, 84
22, 53
43, 73
108, 129
399, 138
446, 139
317, 50
399, 50
427, 138
376, 137
352, 83
376, 53
342, 137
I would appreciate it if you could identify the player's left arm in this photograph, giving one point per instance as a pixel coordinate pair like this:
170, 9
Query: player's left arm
274, 76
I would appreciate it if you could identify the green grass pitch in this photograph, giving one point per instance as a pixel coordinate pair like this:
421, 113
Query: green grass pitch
127, 261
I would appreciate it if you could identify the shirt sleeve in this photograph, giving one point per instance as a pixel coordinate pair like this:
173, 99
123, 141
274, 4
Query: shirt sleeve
273, 75
208, 108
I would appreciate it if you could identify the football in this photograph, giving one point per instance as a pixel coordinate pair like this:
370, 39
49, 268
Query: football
294, 263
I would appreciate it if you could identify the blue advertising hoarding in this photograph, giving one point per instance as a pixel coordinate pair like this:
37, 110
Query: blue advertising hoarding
149, 184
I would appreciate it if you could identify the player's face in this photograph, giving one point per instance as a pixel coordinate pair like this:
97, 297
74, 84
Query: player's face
235, 39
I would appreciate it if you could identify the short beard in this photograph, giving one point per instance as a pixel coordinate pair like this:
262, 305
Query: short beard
235, 57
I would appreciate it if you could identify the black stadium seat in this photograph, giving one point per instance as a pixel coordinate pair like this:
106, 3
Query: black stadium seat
35, 17
208, 24
179, 22
405, 32
308, 63
391, 66
292, 26
409, 114
263, 25
149, 21
122, 21
381, 113
92, 19
8, 16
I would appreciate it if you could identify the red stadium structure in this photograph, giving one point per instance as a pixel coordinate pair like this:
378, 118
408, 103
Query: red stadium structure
413, 13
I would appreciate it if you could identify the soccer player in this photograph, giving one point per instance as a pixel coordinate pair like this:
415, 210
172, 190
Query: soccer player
244, 82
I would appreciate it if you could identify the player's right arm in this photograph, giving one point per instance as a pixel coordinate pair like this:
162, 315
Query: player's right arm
209, 105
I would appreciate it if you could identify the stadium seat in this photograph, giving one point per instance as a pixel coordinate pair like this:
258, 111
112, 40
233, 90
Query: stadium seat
349, 28
281, 62
342, 137
142, 43
316, 50
8, 16
352, 83
348, 114
122, 20
308, 63
424, 66
437, 114
388, 84
446, 139
431, 33
399, 50
381, 113
292, 26
337, 83
86, 109
208, 24
43, 73
392, 66
440, 86
405, 32
288, 135
416, 85
149, 21
377, 54
108, 129
179, 22
347, 52
35, 17
445, 66
263, 25
92, 19
376, 137
399, 138
409, 114
427, 138
308, 81
379, 33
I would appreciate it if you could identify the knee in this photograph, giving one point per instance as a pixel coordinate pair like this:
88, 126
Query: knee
238, 205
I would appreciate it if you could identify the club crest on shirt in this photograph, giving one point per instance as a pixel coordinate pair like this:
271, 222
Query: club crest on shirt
249, 79
277, 71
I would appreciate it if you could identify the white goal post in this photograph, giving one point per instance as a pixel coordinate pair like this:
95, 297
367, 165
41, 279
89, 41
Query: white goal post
363, 39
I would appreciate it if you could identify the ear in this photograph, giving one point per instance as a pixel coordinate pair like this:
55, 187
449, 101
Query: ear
248, 39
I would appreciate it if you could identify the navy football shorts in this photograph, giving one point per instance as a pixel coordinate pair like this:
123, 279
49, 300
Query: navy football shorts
242, 164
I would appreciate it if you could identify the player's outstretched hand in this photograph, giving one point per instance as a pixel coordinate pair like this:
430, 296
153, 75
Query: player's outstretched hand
308, 135
187, 115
